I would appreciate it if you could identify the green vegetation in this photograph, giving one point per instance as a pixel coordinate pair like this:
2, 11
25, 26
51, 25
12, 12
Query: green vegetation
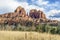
48, 29
31, 26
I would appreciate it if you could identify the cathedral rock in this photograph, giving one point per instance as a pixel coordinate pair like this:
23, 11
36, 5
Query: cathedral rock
20, 14
37, 14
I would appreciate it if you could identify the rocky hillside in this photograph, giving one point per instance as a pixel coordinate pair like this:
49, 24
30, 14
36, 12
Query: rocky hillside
20, 14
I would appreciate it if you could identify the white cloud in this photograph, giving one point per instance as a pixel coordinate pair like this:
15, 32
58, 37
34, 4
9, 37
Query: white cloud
12, 5
54, 11
7, 5
41, 2
55, 19
54, 4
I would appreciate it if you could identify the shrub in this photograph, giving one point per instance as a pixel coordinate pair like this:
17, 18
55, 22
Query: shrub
28, 23
40, 27
53, 30
58, 30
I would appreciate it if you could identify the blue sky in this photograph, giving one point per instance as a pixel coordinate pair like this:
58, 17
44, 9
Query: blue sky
50, 7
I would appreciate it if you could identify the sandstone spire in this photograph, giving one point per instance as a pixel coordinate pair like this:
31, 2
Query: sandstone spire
20, 10
36, 14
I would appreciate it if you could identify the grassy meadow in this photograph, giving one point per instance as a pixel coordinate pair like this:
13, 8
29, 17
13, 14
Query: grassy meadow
19, 35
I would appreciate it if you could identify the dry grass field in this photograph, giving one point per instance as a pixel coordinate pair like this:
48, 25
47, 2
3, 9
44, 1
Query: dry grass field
19, 35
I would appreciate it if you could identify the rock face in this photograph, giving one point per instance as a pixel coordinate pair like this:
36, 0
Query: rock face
41, 14
20, 14
13, 16
20, 11
37, 14
33, 13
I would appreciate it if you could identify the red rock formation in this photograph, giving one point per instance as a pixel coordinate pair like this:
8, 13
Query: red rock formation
33, 13
37, 14
20, 11
20, 14
13, 16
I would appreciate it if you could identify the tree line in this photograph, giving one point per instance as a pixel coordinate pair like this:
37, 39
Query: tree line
31, 26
